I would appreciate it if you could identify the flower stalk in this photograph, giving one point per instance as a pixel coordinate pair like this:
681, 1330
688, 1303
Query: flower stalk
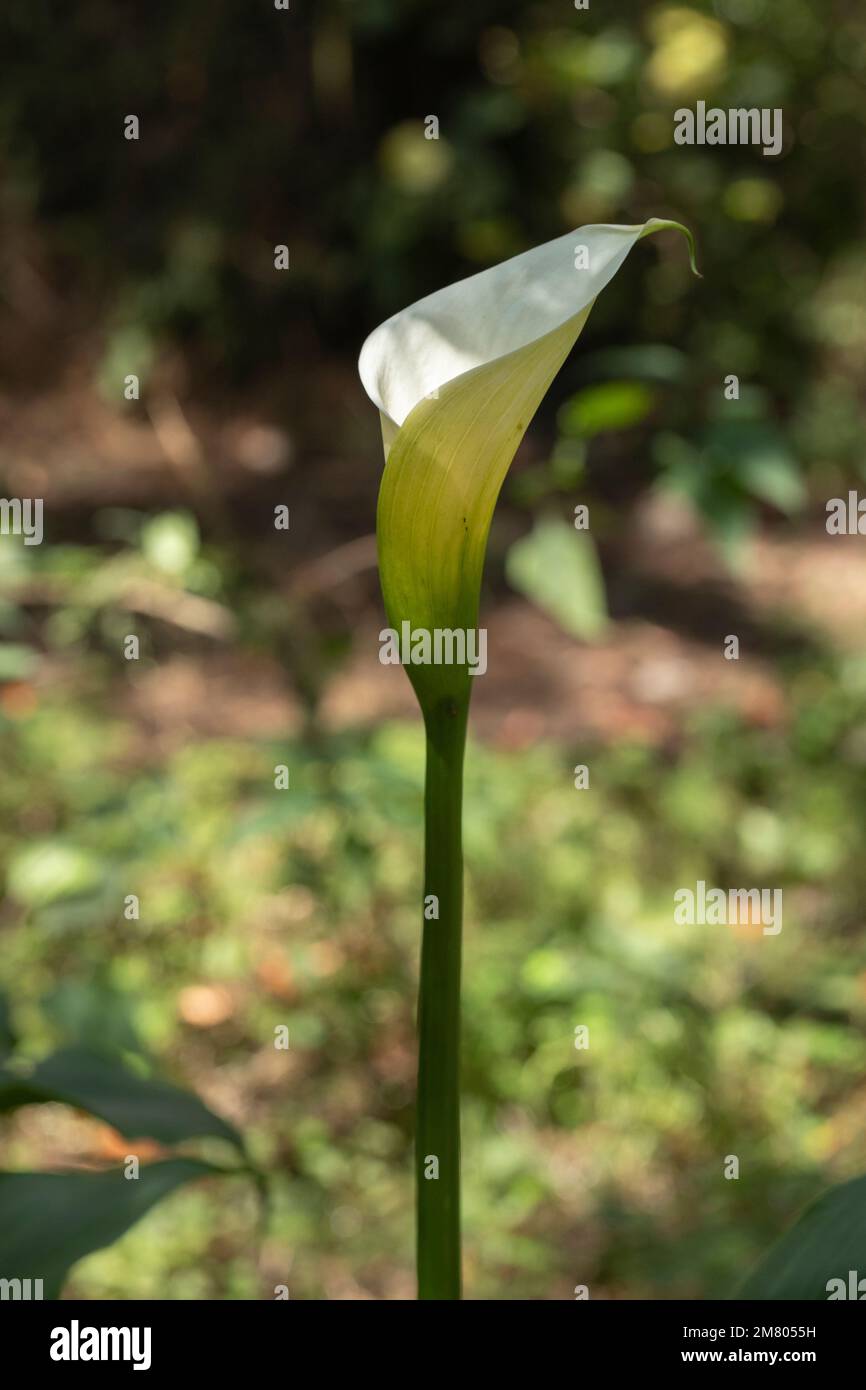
437, 1129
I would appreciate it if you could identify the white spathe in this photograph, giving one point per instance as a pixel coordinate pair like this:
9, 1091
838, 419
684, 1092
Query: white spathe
475, 321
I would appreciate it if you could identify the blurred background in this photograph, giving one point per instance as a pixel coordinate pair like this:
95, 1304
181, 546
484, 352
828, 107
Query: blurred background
259, 908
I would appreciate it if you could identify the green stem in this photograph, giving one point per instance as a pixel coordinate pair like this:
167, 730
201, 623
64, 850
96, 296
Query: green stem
437, 1135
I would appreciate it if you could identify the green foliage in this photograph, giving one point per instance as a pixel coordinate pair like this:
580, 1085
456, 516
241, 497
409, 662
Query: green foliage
52, 1220
814, 1259
556, 567
615, 405
136, 1106
737, 461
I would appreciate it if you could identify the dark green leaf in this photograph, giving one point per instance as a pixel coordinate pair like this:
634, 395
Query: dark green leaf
136, 1106
48, 1221
827, 1242
94, 1015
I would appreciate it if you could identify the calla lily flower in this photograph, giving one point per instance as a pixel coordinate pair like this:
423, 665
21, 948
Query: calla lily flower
457, 378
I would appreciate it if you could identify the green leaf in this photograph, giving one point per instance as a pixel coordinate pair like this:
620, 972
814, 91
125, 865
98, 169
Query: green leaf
827, 1242
93, 1014
49, 1221
755, 454
137, 1107
557, 568
457, 378
51, 871
614, 405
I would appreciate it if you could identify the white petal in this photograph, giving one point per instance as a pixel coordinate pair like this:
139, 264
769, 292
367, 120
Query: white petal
480, 319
